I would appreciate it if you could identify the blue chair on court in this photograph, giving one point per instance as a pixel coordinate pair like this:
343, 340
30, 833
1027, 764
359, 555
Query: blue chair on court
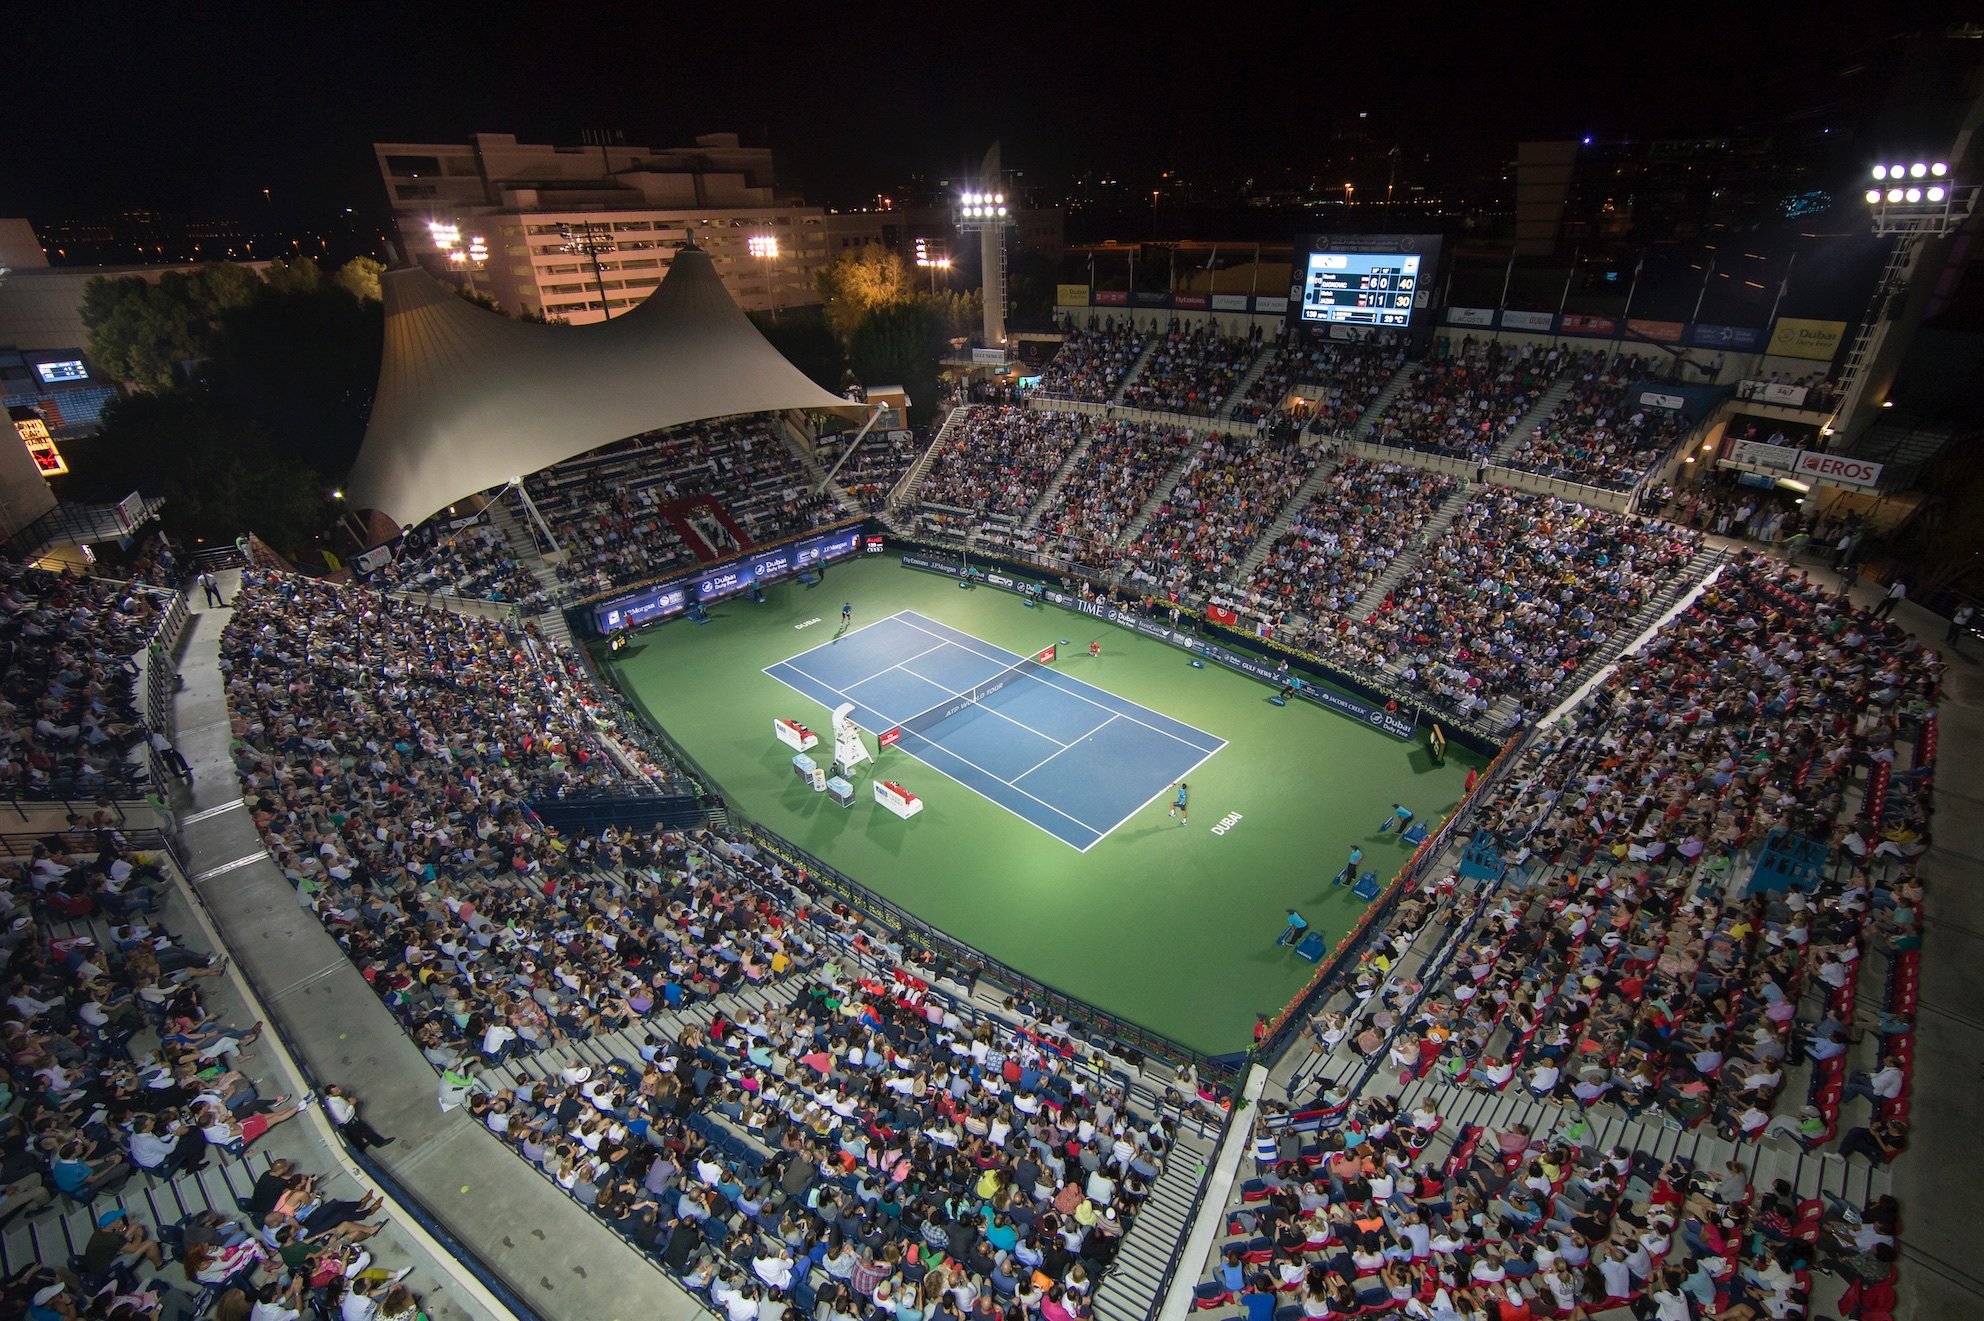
1311, 947
1367, 886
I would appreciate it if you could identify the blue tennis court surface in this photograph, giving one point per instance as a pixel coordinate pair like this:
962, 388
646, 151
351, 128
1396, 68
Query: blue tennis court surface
1065, 755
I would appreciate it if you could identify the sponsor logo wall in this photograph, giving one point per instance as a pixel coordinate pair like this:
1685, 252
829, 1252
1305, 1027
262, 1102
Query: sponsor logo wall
673, 597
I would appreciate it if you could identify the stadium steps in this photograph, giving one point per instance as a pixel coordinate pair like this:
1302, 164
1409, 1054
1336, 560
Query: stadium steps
1162, 491
1533, 420
1262, 358
523, 544
911, 483
1136, 369
1386, 397
1283, 521
1435, 528
1050, 492
801, 450
1130, 1291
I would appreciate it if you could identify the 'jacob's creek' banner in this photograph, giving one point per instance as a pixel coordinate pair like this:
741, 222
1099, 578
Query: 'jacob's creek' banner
1399, 724
1794, 337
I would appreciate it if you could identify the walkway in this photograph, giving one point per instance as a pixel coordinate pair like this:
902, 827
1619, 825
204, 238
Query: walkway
558, 1258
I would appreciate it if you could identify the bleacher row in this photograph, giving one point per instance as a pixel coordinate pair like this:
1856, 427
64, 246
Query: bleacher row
1572, 1079
785, 1086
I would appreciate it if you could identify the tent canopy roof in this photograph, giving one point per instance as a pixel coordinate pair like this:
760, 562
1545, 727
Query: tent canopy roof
469, 399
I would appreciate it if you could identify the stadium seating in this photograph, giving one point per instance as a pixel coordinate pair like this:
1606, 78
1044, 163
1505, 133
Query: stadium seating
475, 561
1103, 491
1336, 381
1091, 364
997, 462
1466, 401
1597, 435
1190, 371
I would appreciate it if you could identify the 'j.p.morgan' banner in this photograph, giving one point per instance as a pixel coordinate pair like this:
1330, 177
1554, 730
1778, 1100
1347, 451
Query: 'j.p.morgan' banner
1398, 724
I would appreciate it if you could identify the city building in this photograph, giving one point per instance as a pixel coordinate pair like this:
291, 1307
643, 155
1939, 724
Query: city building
579, 234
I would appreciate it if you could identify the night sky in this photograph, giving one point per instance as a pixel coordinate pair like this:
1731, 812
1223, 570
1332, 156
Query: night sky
153, 109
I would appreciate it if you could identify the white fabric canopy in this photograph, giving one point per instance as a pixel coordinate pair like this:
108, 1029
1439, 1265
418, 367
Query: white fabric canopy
469, 399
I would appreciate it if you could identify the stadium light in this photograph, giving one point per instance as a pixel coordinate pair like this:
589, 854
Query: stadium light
1873, 196
1937, 194
765, 248
1939, 169
1880, 171
1917, 170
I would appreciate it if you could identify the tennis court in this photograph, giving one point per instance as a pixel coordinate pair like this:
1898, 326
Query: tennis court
1073, 759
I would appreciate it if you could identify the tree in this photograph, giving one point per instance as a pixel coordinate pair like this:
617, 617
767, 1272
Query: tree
294, 274
301, 364
901, 345
219, 472
149, 335
801, 334
360, 278
857, 283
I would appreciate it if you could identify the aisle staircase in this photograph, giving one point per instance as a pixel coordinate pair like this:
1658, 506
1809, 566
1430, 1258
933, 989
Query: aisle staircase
1162, 491
1246, 382
1136, 369
1054, 483
801, 449
1393, 389
1284, 520
523, 543
905, 490
1531, 421
1429, 533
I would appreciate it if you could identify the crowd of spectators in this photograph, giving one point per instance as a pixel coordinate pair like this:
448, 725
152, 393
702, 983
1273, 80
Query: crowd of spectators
1339, 379
1464, 400
607, 507
1597, 435
1191, 370
1222, 504
1092, 363
69, 714
1111, 480
874, 469
1618, 969
125, 1075
475, 561
996, 462
856, 1140
1513, 597
1358, 522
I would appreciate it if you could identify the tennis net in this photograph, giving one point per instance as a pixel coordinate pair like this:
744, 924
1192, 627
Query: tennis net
974, 695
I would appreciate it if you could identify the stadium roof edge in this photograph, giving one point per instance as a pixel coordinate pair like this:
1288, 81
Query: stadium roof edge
469, 399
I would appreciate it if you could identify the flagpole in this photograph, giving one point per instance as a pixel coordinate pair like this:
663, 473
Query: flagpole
1707, 275
1565, 298
1782, 286
1627, 315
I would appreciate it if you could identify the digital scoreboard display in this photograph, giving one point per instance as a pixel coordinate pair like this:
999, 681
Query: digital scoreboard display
1360, 288
1363, 282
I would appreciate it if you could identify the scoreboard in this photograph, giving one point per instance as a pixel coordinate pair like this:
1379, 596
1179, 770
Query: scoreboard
1360, 288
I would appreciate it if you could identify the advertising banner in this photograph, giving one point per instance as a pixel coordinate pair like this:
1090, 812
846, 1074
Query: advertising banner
1276, 305
1769, 458
1111, 298
1838, 470
1530, 321
888, 738
1071, 295
1796, 337
1775, 392
1190, 302
655, 603
1577, 324
1673, 403
1470, 316
1149, 298
1398, 724
1229, 302
372, 559
1744, 339
1663, 332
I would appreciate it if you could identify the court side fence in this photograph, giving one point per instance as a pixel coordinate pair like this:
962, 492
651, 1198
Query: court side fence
1112, 1032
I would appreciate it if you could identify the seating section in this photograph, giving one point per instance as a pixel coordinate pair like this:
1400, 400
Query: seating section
1514, 596
606, 506
996, 463
475, 561
1464, 403
1190, 371
1107, 485
1330, 384
1091, 364
1600, 434
875, 468
70, 725
1363, 517
1222, 504
726, 1067
1616, 983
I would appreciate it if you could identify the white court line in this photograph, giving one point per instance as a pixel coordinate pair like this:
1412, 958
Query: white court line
1191, 770
1085, 825
1072, 693
1058, 751
902, 665
842, 637
989, 710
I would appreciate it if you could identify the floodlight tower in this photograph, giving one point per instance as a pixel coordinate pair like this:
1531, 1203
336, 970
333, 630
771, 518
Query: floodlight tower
1908, 203
464, 255
589, 240
982, 207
